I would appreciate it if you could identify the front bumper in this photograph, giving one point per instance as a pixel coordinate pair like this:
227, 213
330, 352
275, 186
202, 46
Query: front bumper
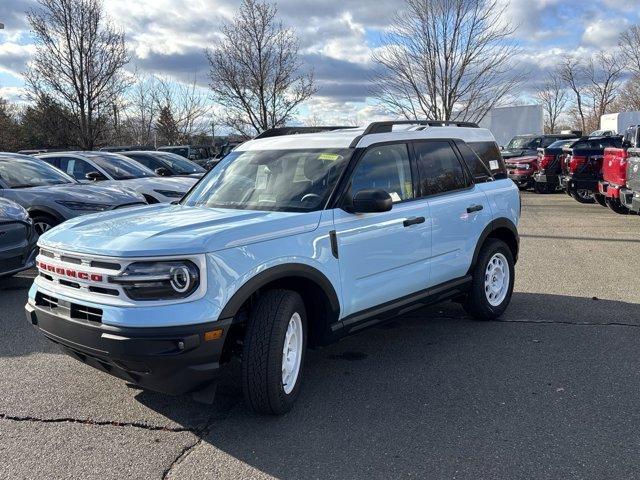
16, 258
630, 199
171, 360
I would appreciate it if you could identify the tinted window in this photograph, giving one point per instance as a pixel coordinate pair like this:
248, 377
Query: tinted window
562, 143
78, 169
546, 141
119, 167
476, 166
439, 168
386, 167
489, 153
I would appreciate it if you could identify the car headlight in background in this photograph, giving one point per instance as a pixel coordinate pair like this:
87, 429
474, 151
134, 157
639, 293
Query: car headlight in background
168, 280
84, 206
170, 193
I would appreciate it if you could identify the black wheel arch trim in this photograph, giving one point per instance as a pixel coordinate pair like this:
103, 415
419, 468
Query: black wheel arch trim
34, 210
494, 225
281, 272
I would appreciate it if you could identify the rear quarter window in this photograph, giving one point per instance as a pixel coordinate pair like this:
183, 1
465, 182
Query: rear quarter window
480, 172
490, 155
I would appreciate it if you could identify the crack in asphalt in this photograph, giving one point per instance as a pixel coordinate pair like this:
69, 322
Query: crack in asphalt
568, 322
102, 423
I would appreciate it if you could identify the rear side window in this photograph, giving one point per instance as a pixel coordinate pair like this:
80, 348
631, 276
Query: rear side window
489, 153
476, 166
439, 168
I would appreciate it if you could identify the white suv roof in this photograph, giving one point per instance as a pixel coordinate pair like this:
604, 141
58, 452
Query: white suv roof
363, 137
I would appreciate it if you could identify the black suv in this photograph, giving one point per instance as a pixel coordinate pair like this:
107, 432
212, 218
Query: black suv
526, 145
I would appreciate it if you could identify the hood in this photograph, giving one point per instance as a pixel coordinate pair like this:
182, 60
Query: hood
109, 194
527, 159
165, 229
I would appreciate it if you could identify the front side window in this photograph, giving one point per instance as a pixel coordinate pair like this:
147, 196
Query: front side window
31, 173
439, 167
119, 167
281, 180
386, 167
75, 167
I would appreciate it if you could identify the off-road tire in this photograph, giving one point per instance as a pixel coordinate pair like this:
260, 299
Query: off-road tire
262, 352
600, 199
616, 205
476, 303
581, 199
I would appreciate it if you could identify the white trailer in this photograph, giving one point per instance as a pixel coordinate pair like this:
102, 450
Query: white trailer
618, 122
507, 122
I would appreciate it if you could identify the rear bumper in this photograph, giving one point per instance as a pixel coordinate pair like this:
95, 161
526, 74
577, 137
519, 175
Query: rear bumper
630, 199
547, 179
570, 183
171, 360
609, 189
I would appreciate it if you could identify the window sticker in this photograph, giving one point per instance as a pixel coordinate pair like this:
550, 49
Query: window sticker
494, 165
395, 197
329, 156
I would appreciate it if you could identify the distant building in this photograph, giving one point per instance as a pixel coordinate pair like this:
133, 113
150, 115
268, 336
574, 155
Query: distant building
507, 122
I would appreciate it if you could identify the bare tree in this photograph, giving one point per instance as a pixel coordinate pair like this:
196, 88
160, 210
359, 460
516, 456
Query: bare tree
572, 74
604, 74
78, 62
256, 71
446, 60
189, 107
141, 109
630, 47
554, 98
629, 98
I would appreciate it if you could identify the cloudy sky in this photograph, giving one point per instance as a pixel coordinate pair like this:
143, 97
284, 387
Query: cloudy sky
337, 36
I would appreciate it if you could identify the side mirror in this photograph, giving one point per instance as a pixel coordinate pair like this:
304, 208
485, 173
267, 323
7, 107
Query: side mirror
95, 176
163, 172
371, 200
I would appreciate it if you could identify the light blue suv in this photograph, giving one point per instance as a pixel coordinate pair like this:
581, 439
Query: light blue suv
291, 241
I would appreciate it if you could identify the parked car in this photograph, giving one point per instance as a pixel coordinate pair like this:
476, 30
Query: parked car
51, 196
630, 195
198, 154
118, 170
290, 241
614, 170
167, 164
582, 167
547, 177
528, 145
18, 239
521, 170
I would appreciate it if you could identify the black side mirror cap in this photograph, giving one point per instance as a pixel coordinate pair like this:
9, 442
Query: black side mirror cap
371, 200
95, 176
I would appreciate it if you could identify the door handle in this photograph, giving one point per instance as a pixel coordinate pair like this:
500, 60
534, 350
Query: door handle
413, 221
474, 208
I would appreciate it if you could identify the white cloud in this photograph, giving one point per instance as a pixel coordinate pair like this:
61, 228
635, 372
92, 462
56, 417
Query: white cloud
604, 33
14, 56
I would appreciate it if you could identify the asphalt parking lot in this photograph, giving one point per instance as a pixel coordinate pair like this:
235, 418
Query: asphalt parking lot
550, 391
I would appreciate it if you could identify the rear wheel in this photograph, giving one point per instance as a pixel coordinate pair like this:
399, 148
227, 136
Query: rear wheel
617, 206
583, 196
600, 199
492, 284
273, 352
43, 222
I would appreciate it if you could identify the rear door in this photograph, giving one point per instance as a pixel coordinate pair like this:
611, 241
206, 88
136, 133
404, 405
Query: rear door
459, 209
383, 256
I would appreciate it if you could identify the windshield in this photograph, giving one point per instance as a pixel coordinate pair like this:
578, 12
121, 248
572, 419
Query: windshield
523, 142
31, 173
177, 164
562, 143
119, 167
182, 151
282, 180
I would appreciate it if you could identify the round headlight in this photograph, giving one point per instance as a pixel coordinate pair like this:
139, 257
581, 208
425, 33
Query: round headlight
180, 279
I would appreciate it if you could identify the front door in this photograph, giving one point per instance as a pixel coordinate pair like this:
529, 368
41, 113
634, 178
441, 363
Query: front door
383, 256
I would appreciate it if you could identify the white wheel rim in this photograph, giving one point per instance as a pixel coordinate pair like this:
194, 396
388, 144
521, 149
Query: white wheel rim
496, 279
41, 227
292, 353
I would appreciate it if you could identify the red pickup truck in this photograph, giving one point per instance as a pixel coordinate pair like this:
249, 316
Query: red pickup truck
614, 170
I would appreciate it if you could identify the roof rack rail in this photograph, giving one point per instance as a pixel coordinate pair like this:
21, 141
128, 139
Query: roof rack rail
387, 126
277, 132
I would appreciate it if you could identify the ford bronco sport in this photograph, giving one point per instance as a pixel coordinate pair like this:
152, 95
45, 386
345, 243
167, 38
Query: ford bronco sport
291, 241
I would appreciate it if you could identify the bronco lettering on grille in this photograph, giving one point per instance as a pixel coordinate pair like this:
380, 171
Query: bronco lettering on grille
69, 272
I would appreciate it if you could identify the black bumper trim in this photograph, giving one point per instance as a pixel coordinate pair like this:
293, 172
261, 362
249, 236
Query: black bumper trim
171, 360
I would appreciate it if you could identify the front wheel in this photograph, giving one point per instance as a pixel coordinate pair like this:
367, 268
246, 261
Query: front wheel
492, 284
617, 206
43, 223
583, 196
273, 352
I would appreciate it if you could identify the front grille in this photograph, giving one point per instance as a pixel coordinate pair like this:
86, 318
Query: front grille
82, 312
48, 301
105, 265
66, 309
